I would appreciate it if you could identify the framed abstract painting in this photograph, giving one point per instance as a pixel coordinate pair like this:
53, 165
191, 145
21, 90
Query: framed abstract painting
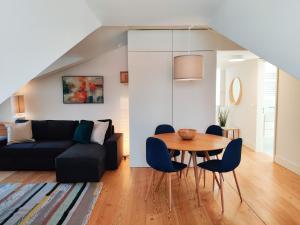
83, 89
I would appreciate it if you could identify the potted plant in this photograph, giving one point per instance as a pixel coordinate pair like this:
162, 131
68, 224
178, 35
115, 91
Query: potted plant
223, 116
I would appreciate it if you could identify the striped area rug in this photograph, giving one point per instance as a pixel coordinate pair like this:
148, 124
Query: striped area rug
47, 203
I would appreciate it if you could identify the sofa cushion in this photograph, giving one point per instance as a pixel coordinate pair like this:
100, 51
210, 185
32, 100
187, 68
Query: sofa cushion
39, 128
84, 151
19, 133
110, 130
61, 129
83, 132
81, 163
47, 149
16, 148
99, 131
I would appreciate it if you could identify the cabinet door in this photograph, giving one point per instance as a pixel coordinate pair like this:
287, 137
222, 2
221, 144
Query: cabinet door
149, 40
150, 99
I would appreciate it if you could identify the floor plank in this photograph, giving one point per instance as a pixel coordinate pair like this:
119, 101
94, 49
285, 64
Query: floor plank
271, 195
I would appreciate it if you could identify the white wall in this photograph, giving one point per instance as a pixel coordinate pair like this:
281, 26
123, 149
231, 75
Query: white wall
44, 100
154, 97
243, 115
288, 123
36, 33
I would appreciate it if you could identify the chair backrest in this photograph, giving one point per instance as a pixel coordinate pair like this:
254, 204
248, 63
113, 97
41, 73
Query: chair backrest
232, 155
214, 129
157, 155
164, 128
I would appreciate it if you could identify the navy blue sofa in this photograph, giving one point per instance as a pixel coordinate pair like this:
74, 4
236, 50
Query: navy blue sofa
54, 149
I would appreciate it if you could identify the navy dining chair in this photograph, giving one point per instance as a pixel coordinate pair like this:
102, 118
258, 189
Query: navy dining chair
229, 162
166, 128
158, 158
215, 130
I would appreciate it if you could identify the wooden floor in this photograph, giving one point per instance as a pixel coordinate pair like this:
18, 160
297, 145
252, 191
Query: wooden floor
271, 196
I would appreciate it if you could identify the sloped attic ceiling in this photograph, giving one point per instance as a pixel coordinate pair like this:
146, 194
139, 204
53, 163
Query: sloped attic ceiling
98, 42
268, 28
36, 33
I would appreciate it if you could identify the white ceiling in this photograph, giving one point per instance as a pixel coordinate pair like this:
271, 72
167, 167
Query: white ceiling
153, 12
224, 56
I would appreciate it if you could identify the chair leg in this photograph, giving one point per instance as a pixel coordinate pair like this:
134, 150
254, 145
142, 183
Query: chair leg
200, 174
170, 191
213, 182
159, 182
215, 176
222, 176
196, 176
204, 176
237, 185
222, 197
182, 161
221, 173
188, 166
172, 153
175, 159
149, 187
216, 179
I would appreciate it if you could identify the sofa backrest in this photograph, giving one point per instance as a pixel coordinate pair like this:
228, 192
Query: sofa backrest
59, 129
52, 129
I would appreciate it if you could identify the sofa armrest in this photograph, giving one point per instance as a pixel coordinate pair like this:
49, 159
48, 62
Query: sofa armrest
3, 141
114, 151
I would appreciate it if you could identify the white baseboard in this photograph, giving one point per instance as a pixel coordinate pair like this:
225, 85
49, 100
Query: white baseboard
287, 164
139, 165
248, 144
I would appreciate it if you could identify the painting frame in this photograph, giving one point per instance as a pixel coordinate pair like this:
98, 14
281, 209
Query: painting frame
65, 79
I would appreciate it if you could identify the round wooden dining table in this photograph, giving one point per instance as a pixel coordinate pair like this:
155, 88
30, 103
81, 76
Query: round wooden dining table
201, 143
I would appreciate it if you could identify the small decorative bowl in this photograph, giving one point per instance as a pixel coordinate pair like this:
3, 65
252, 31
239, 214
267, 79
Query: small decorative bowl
187, 134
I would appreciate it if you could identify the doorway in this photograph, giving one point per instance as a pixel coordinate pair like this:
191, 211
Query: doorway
268, 107
255, 113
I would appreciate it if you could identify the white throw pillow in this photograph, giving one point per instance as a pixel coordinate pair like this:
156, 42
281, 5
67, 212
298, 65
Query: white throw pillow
18, 133
99, 131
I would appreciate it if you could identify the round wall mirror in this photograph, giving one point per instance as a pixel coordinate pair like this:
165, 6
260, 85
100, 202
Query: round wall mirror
235, 91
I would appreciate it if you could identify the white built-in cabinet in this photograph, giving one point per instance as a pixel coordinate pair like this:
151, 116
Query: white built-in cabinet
150, 88
155, 98
150, 40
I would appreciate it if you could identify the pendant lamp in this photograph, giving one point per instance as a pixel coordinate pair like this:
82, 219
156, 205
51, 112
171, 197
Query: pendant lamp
188, 67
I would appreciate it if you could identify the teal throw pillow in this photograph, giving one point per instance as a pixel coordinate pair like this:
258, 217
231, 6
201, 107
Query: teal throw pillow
83, 132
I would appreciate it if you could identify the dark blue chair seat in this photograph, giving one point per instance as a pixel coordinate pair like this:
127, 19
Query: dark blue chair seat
178, 166
166, 128
214, 165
